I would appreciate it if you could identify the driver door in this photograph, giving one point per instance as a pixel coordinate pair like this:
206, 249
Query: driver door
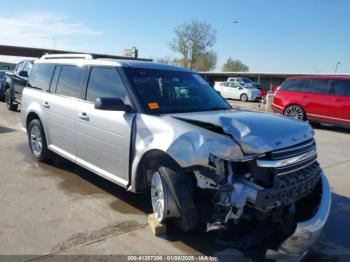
103, 137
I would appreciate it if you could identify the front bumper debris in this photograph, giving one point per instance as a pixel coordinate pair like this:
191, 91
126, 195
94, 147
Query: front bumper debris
307, 232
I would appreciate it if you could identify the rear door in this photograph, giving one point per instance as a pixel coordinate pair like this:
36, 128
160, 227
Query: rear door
225, 89
61, 109
234, 90
316, 97
342, 100
103, 137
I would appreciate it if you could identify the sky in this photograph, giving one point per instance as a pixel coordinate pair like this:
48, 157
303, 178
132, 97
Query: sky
270, 36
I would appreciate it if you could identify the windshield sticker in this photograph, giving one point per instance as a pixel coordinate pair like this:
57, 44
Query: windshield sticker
200, 79
153, 106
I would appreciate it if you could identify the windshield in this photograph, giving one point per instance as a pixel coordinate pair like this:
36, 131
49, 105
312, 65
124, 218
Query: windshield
163, 91
247, 80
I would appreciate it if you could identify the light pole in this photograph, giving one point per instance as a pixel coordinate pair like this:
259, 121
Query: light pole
336, 67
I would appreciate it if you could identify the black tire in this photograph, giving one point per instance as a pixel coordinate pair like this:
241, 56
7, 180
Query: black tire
244, 97
44, 153
9, 101
181, 186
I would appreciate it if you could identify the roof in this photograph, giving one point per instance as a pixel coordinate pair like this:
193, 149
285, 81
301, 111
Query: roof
111, 62
321, 77
272, 74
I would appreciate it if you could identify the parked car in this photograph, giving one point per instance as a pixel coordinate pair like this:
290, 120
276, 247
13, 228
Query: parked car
244, 81
234, 90
2, 77
15, 82
146, 125
324, 99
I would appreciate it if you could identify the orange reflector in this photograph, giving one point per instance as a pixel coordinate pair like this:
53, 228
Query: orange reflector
153, 106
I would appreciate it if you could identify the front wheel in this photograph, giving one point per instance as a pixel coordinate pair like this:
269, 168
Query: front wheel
295, 112
9, 101
37, 140
244, 98
172, 197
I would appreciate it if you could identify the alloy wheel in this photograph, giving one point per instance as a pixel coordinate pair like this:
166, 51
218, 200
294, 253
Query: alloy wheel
294, 112
36, 141
158, 196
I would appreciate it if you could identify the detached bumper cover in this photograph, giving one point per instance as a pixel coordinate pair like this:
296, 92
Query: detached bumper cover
306, 232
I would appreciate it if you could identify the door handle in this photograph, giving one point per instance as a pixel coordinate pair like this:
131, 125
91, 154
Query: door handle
84, 116
46, 104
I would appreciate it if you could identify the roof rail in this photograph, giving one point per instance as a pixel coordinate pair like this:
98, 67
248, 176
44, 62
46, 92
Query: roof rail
62, 56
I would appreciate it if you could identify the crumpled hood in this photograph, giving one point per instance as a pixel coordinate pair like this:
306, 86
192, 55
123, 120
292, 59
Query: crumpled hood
255, 132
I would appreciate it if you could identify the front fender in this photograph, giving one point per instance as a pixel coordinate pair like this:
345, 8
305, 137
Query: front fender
187, 144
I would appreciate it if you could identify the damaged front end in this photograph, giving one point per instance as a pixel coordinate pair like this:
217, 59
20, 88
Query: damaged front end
283, 190
250, 183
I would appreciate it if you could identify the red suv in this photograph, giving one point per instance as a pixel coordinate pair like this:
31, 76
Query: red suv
323, 99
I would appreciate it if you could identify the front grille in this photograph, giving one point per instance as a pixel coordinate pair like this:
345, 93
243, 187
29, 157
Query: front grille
307, 148
287, 174
288, 189
294, 150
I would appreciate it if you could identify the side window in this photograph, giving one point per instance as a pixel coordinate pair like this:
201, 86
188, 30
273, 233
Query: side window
227, 84
70, 81
104, 82
233, 85
19, 67
40, 77
320, 86
293, 85
342, 87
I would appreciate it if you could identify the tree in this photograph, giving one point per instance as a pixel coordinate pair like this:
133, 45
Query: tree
164, 60
192, 41
206, 62
234, 66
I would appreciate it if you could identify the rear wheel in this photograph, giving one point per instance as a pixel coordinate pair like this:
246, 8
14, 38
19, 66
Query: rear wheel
172, 197
295, 112
244, 97
37, 140
9, 101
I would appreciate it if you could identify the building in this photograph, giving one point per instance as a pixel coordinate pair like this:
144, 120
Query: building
267, 79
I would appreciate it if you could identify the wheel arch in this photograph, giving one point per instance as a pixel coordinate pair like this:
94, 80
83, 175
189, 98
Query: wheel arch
31, 115
150, 160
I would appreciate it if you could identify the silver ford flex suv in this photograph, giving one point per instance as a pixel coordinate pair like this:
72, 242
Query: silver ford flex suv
246, 176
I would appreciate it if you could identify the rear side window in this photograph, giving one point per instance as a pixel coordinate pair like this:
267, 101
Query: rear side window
319, 86
104, 82
293, 85
70, 81
40, 77
342, 87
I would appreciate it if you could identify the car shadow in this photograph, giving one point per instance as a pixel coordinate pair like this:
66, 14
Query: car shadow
338, 129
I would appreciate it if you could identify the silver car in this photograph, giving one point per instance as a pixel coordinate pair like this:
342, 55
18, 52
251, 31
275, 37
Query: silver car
144, 125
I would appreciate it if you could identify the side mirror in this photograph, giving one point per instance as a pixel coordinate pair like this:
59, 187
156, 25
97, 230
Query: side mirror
23, 73
112, 104
240, 88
